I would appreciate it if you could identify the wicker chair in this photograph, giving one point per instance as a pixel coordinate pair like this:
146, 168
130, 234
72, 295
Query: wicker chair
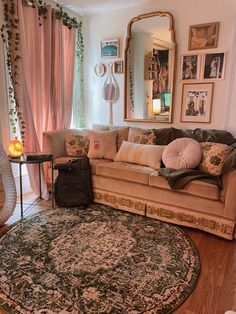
9, 188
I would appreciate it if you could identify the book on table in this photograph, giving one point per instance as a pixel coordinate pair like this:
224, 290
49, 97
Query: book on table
29, 156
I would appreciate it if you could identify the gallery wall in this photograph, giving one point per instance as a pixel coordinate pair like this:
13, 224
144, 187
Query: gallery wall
113, 24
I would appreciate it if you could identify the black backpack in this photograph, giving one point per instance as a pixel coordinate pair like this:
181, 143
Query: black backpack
73, 185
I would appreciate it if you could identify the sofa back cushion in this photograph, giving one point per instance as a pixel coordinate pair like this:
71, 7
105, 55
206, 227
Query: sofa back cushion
54, 141
77, 144
142, 154
141, 136
213, 157
102, 144
204, 135
122, 131
182, 153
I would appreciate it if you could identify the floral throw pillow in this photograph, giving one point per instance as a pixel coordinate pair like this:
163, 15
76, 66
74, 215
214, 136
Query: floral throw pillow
77, 144
141, 136
213, 157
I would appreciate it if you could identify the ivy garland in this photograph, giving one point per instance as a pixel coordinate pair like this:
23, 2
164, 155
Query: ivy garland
11, 40
79, 55
131, 81
10, 36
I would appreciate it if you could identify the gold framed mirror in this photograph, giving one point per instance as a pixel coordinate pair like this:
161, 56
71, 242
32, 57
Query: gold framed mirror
149, 65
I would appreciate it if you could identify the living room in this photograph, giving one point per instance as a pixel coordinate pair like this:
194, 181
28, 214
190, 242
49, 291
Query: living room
214, 290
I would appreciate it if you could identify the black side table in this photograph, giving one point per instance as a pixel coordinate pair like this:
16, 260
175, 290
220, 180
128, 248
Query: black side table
37, 159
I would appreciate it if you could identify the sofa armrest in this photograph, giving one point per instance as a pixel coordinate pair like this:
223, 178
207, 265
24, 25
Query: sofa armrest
54, 142
229, 193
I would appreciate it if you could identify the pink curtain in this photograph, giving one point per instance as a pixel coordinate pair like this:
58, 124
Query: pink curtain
46, 79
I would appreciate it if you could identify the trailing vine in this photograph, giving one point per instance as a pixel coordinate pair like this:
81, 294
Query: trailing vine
11, 40
131, 81
10, 36
79, 55
68, 21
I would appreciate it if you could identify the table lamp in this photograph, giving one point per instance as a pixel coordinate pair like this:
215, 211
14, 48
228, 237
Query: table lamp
15, 148
156, 106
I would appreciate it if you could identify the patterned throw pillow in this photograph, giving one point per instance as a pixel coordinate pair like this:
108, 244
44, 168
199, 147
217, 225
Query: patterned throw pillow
213, 157
77, 144
102, 144
146, 155
141, 136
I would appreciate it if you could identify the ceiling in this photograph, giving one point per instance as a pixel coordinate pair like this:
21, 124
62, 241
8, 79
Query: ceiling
85, 7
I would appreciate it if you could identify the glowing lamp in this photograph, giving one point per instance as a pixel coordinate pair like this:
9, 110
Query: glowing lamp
156, 106
15, 148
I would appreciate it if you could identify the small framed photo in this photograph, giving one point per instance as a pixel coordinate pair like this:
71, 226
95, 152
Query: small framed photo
118, 67
190, 67
203, 36
196, 102
214, 66
110, 48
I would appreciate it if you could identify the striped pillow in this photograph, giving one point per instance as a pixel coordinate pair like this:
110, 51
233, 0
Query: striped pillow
142, 154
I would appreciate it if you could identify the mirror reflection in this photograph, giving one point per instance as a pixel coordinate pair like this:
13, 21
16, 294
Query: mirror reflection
149, 68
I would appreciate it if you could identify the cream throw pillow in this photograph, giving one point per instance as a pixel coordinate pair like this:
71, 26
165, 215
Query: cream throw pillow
142, 154
102, 144
122, 131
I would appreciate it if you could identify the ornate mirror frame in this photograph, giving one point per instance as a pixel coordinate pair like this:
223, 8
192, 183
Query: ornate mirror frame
127, 43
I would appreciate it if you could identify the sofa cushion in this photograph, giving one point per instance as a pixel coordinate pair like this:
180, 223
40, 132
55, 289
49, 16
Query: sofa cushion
195, 187
77, 144
102, 144
213, 157
125, 171
122, 131
182, 153
141, 136
141, 154
95, 162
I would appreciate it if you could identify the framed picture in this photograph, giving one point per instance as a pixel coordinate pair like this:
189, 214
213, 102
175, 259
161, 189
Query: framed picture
196, 102
118, 67
190, 67
110, 48
214, 66
203, 36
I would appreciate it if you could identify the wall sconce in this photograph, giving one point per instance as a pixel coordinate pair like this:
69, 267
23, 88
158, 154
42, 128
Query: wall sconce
156, 106
15, 148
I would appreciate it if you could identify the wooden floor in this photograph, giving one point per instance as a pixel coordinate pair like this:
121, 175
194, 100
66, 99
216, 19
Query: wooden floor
215, 292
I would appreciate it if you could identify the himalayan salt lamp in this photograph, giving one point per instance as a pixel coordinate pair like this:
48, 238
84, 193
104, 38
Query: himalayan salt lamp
15, 148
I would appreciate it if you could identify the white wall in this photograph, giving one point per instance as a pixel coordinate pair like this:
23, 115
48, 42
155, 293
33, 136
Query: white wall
186, 12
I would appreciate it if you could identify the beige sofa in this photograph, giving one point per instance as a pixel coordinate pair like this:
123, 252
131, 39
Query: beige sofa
139, 189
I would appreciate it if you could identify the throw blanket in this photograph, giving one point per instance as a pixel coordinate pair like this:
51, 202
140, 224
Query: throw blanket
177, 179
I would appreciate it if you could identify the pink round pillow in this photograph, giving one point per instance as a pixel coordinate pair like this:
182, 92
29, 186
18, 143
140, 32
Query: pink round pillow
182, 153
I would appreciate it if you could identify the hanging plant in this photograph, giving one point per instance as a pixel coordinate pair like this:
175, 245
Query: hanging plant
131, 84
79, 55
10, 36
70, 22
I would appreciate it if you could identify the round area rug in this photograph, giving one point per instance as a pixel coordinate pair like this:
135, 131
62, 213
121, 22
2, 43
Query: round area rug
95, 261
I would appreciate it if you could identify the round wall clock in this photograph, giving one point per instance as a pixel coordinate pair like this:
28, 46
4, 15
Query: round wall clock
99, 69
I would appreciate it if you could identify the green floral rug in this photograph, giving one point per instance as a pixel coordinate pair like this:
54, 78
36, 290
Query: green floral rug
95, 261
